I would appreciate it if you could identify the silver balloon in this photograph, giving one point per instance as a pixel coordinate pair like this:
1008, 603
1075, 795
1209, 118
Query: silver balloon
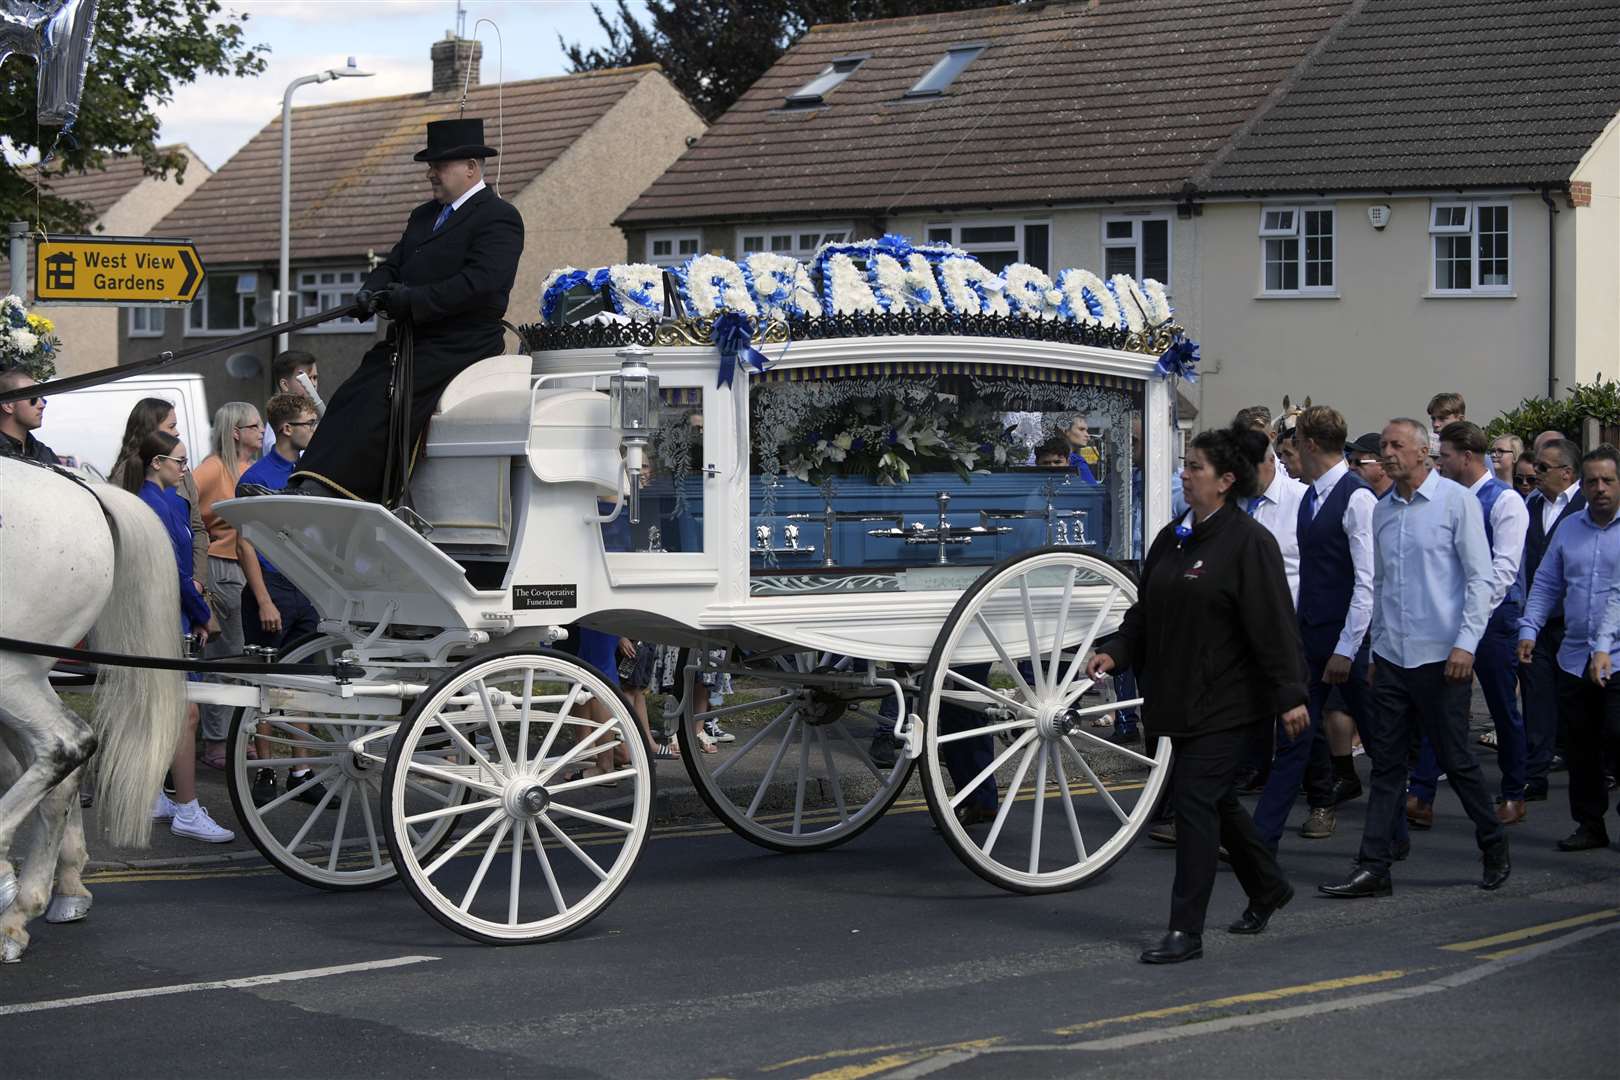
58, 35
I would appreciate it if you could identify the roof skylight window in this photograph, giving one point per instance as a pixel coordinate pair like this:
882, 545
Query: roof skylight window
945, 71
814, 91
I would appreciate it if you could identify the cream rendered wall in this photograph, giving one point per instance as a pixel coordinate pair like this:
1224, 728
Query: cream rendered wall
568, 211
1380, 347
1593, 327
90, 333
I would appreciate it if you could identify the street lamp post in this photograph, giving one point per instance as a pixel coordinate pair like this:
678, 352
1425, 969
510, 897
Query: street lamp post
348, 71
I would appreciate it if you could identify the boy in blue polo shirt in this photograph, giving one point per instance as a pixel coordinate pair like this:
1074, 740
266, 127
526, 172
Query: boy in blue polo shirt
274, 612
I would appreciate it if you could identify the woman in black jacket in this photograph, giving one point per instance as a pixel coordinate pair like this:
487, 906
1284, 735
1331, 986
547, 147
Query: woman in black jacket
1215, 646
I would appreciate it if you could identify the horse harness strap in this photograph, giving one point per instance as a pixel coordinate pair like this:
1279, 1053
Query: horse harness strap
342, 670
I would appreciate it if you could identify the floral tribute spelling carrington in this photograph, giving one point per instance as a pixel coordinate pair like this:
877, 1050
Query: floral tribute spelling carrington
27, 341
868, 277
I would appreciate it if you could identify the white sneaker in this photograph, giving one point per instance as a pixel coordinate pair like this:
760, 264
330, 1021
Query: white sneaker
713, 730
191, 820
163, 807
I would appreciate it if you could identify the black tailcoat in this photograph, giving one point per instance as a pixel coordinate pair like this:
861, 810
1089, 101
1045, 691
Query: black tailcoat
459, 279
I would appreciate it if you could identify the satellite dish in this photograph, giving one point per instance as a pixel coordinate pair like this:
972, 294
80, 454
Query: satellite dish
243, 365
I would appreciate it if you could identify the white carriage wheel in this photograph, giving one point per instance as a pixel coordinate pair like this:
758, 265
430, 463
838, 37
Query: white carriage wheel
323, 832
1073, 823
800, 775
514, 728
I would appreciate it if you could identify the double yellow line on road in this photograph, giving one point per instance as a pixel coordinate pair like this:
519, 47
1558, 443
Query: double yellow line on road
1539, 930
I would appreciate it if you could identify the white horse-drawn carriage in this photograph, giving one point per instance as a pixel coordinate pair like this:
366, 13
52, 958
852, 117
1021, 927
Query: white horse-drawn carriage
860, 538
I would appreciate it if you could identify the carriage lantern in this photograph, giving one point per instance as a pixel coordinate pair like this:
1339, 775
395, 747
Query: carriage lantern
633, 411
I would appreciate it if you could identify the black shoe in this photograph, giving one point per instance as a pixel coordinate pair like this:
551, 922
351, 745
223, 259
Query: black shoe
1164, 832
1497, 866
264, 786
312, 794
1124, 735
308, 485
972, 815
1584, 838
1558, 764
1535, 793
1344, 789
885, 749
1363, 882
1255, 916
1175, 947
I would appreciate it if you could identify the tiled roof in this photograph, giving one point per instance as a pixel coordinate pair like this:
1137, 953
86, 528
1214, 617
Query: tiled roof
101, 188
1413, 94
353, 180
1067, 102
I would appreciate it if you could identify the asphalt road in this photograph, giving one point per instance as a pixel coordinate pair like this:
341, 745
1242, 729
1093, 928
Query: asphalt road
883, 958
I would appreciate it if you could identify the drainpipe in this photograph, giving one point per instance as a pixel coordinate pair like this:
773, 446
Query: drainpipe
1552, 293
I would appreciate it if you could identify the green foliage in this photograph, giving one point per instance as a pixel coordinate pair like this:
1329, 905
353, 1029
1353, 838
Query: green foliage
1600, 400
713, 50
144, 50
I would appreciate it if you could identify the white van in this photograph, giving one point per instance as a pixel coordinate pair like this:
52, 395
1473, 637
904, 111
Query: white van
86, 425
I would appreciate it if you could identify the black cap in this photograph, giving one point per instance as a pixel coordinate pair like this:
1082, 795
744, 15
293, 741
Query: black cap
1369, 443
451, 139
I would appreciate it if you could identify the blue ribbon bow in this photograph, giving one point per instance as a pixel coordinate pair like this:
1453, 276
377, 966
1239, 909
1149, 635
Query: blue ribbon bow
898, 246
733, 336
1180, 360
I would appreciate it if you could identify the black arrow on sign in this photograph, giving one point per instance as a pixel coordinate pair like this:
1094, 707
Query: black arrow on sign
191, 274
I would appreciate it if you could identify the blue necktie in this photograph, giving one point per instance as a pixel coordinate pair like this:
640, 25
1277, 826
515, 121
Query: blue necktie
1254, 504
444, 216
1310, 503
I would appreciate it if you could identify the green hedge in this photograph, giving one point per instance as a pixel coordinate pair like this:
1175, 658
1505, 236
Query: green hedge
1535, 415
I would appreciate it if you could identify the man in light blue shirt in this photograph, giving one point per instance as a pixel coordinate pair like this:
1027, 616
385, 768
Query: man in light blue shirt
1432, 590
1581, 569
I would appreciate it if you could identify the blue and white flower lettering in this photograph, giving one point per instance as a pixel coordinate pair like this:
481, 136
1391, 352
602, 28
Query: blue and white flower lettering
1133, 302
711, 284
781, 286
904, 286
846, 287
1030, 291
557, 283
1087, 299
970, 289
637, 290
1159, 310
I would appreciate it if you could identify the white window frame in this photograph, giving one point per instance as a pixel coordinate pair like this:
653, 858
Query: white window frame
241, 294
1296, 231
1470, 229
147, 331
1019, 240
675, 237
1135, 242
329, 296
795, 233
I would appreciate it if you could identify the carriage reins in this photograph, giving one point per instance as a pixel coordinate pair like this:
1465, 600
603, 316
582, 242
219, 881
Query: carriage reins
340, 669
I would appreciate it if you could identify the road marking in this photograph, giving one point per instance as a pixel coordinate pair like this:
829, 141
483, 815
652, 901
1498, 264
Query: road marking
245, 983
831, 1055
956, 1051
1529, 932
1278, 994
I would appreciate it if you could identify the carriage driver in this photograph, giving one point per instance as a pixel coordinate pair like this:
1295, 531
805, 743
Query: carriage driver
450, 276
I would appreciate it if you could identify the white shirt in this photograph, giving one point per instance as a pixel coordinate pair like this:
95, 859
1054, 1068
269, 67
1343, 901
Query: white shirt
1551, 508
1357, 525
1510, 524
1277, 509
465, 195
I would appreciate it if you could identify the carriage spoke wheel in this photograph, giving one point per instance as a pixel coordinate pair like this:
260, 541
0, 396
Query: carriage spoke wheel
560, 796
322, 830
801, 775
1047, 801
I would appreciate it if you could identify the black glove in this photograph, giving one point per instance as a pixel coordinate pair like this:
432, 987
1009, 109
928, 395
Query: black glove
365, 304
396, 301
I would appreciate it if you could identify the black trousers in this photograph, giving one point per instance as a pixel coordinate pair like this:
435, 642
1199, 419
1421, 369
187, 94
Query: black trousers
1539, 689
1407, 702
1591, 715
1208, 815
350, 448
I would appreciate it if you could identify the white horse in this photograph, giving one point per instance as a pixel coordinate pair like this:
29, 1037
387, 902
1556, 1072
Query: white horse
76, 562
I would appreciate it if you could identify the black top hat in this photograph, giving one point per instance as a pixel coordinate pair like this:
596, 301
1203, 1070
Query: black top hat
451, 139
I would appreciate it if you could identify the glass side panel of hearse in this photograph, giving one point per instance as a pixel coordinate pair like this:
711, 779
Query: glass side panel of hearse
904, 475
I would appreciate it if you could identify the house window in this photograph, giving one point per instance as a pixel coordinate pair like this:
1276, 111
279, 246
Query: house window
1138, 246
814, 91
672, 248
998, 244
146, 321
1297, 249
323, 290
1471, 243
945, 71
799, 241
227, 305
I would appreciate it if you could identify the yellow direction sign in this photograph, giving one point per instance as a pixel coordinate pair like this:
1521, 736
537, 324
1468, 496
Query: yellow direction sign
116, 270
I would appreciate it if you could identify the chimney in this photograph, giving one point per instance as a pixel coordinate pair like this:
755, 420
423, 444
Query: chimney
452, 58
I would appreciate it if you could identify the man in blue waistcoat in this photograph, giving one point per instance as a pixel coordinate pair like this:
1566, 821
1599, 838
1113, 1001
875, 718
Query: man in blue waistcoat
1496, 661
1335, 608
